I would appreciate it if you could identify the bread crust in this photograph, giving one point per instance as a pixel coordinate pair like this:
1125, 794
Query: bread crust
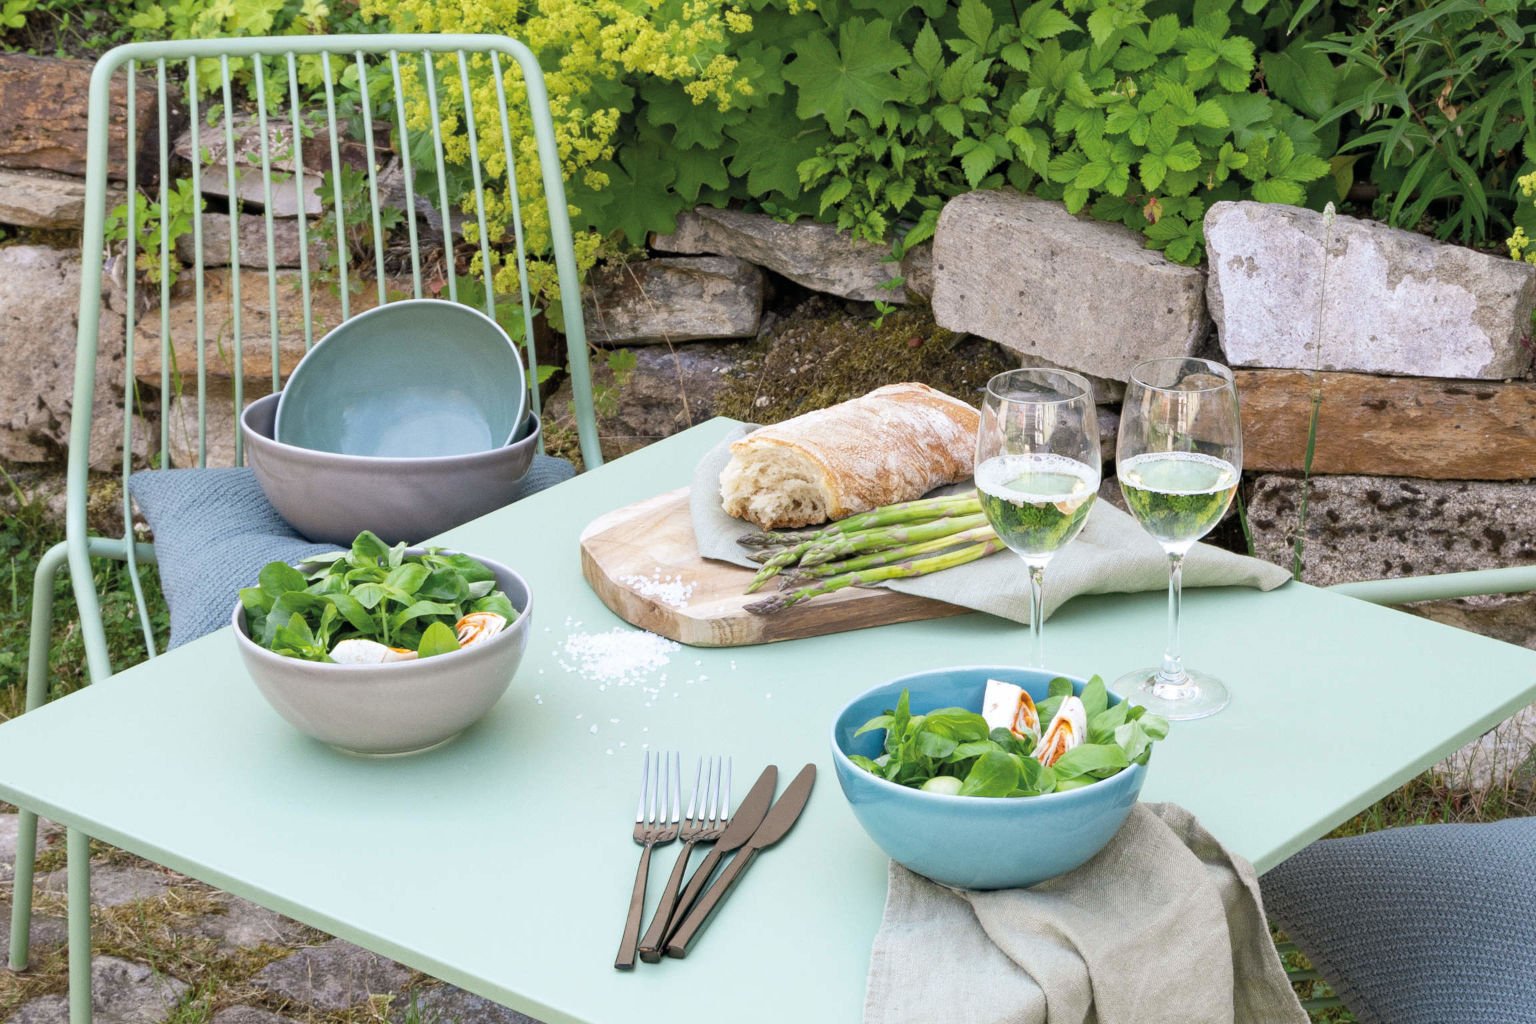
894, 444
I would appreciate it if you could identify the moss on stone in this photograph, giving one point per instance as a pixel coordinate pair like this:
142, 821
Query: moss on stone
820, 354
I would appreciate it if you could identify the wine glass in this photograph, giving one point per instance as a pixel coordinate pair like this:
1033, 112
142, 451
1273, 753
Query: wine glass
1179, 457
1037, 469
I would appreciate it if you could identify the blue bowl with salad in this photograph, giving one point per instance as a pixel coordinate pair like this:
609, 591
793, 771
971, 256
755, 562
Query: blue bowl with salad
992, 777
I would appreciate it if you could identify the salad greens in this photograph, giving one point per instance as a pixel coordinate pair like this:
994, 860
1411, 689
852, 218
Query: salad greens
952, 751
374, 592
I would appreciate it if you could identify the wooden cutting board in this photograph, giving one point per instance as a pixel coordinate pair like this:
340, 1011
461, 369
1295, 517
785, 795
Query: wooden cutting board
653, 540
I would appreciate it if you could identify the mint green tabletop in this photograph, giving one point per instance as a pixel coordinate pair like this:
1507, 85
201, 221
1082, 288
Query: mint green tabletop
503, 862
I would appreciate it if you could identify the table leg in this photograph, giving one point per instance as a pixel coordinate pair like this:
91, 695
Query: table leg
21, 893
78, 848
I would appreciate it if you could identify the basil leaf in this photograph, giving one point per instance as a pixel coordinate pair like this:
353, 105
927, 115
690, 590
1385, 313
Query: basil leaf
1090, 757
878, 722
471, 570
437, 639
369, 594
935, 744
497, 603
1102, 726
994, 774
278, 578
419, 610
367, 549
480, 588
448, 585
1156, 726
1094, 697
254, 599
865, 763
1060, 687
407, 578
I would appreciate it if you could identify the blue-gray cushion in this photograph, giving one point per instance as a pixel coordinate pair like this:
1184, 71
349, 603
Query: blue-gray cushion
214, 530
1418, 925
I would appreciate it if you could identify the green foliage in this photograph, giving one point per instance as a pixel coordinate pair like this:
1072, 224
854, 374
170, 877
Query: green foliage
1436, 101
181, 206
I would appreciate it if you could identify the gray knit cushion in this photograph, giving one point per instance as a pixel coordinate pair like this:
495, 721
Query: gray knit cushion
1421, 925
214, 530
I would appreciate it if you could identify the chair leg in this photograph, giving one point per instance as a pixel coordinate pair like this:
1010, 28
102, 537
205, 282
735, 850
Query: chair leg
78, 847
37, 691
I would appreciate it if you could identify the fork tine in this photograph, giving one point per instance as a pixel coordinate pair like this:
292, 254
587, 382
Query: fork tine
645, 781
677, 787
725, 804
693, 798
714, 790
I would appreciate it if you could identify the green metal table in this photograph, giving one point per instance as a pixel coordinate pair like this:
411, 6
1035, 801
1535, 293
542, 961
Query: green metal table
503, 863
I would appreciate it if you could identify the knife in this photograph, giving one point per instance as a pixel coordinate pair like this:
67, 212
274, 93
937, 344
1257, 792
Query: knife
743, 823
774, 827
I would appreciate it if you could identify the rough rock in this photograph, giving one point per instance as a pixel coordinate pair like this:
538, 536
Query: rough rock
333, 976
1389, 426
46, 113
10, 830
122, 992
670, 389
917, 270
1105, 390
443, 1004
1365, 527
112, 885
39, 296
244, 925
41, 199
253, 243
1394, 301
223, 422
46, 932
429, 218
213, 175
1493, 760
1068, 290
672, 300
249, 1015
255, 324
815, 255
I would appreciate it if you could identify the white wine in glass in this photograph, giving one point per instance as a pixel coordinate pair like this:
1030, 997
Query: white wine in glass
1179, 458
1037, 469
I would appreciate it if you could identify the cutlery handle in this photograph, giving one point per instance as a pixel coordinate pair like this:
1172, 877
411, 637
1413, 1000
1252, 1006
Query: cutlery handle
677, 945
696, 884
656, 934
625, 961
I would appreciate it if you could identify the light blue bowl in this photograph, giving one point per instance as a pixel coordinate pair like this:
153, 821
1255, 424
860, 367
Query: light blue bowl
420, 378
965, 841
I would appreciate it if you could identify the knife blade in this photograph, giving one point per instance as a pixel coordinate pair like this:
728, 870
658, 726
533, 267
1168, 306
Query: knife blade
774, 827
747, 817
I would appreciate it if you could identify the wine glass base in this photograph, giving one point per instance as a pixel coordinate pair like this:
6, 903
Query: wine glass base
1203, 695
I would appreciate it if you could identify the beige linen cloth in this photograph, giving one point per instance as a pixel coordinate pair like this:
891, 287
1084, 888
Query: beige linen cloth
1163, 926
1112, 555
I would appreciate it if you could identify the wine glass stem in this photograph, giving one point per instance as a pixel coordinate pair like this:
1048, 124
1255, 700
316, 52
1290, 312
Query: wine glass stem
1037, 614
1172, 673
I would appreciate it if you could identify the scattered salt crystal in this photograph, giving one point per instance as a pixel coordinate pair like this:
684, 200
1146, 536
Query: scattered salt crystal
622, 744
615, 721
768, 695
669, 590
609, 751
593, 730
619, 656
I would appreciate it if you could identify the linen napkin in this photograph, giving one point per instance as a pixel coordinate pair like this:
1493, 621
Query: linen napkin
1162, 926
1112, 555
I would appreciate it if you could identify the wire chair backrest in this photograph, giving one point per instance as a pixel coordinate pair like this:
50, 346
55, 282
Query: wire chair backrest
314, 178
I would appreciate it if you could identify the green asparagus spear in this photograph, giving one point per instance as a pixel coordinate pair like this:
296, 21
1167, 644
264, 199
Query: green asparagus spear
771, 567
889, 537
796, 576
901, 570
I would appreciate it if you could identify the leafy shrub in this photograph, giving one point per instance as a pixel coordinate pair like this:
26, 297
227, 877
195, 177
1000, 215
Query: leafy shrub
1436, 102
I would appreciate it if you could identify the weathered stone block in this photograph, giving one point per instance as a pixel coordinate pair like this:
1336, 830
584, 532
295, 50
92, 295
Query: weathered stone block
917, 271
671, 300
255, 324
815, 255
449, 1003
41, 199
670, 389
46, 114
1067, 290
1394, 301
253, 243
287, 166
39, 299
122, 992
223, 422
1390, 426
244, 925
1364, 527
112, 885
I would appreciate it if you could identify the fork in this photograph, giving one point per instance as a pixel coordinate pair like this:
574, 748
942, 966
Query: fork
656, 821
706, 819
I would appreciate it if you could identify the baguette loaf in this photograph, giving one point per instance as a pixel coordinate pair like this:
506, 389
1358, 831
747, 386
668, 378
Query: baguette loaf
894, 444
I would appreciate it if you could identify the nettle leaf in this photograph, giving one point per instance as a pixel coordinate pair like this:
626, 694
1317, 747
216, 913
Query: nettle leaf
975, 19
1043, 21
856, 75
976, 159
1162, 33
951, 119
927, 51
1016, 56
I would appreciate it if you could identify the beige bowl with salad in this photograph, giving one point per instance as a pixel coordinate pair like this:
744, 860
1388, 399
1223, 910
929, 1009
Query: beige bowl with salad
384, 650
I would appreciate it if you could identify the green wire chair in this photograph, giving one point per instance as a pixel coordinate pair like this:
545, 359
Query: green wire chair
451, 72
